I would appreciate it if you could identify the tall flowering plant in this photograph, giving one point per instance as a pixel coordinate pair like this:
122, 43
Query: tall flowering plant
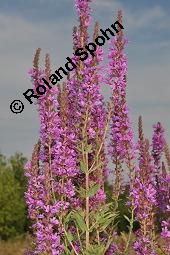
144, 198
68, 203
121, 145
162, 178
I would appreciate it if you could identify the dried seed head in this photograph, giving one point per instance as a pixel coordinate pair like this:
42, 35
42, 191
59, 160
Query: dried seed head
47, 66
35, 159
167, 154
36, 58
96, 31
140, 129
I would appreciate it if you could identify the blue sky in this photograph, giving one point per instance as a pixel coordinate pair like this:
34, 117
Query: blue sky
26, 25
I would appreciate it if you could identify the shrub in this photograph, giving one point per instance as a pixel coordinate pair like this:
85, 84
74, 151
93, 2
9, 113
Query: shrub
13, 219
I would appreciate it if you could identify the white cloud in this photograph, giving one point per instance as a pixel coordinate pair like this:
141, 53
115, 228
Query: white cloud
145, 18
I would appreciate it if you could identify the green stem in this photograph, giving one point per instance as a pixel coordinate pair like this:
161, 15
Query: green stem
78, 234
85, 159
103, 140
98, 237
68, 239
126, 251
87, 209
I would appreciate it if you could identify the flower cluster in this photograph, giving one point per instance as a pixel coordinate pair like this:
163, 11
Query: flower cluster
158, 142
144, 200
121, 147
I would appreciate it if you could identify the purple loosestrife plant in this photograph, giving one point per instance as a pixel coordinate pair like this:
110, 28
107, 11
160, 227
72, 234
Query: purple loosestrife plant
57, 167
165, 234
68, 203
144, 198
162, 184
158, 143
92, 124
40, 211
167, 154
164, 190
121, 146
60, 159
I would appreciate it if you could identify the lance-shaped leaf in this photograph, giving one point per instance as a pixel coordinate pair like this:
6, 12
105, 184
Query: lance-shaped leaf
79, 220
82, 192
83, 167
129, 220
88, 148
92, 191
70, 237
95, 250
96, 167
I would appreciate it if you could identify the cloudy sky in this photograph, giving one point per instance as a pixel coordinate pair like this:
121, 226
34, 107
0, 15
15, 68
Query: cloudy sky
28, 24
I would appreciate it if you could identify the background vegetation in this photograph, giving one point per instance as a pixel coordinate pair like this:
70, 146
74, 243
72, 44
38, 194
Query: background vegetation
15, 234
14, 224
13, 215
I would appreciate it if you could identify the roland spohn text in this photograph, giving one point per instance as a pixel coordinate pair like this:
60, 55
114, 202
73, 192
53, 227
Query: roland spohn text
83, 53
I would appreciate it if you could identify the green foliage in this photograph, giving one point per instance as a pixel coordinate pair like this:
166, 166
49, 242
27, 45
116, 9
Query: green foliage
104, 217
17, 162
83, 167
3, 160
79, 220
123, 212
95, 249
92, 191
13, 219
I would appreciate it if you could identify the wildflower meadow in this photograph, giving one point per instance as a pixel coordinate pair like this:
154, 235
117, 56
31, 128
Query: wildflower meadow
86, 142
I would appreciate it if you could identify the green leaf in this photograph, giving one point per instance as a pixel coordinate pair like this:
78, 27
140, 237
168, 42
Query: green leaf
67, 251
106, 224
92, 191
83, 167
126, 218
96, 167
70, 237
82, 192
88, 148
67, 218
108, 244
95, 250
105, 217
79, 221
